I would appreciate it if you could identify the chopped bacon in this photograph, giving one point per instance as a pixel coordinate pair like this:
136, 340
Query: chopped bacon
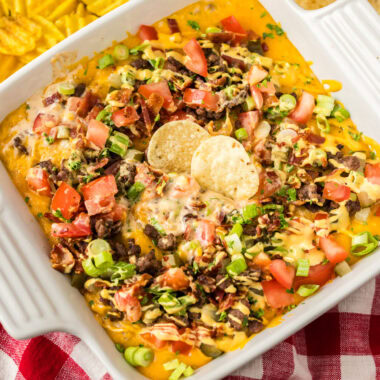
55, 98
234, 62
270, 183
174, 278
222, 37
61, 259
227, 302
312, 138
173, 25
129, 304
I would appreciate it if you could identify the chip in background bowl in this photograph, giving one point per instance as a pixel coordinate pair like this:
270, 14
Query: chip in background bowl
221, 164
172, 146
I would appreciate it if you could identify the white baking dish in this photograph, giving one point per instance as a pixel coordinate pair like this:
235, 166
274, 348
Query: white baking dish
34, 299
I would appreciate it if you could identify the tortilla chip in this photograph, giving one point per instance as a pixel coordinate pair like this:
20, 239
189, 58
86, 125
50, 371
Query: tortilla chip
221, 164
171, 148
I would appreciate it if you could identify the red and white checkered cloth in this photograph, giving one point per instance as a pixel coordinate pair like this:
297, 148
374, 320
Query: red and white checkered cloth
342, 344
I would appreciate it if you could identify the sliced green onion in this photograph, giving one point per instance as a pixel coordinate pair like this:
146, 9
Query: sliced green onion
342, 268
187, 300
90, 268
241, 134
139, 48
63, 132
340, 113
233, 244
287, 102
236, 267
213, 29
102, 114
236, 229
170, 303
98, 246
66, 89
249, 104
105, 61
117, 148
135, 190
303, 267
122, 271
143, 356
178, 372
119, 143
129, 354
363, 244
121, 52
157, 226
323, 124
250, 212
134, 154
103, 260
188, 371
307, 290
325, 105
173, 364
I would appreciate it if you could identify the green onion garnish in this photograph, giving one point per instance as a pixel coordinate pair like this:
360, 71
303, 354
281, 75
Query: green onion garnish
90, 268
178, 372
139, 356
154, 222
363, 244
340, 113
98, 246
287, 102
323, 124
121, 52
236, 266
135, 190
303, 267
105, 61
66, 89
250, 212
236, 229
233, 244
103, 260
122, 271
241, 134
193, 24
213, 29
342, 268
249, 104
307, 290
325, 105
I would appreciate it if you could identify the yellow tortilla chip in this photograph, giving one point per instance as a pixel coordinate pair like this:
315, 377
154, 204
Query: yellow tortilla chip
50, 33
13, 7
173, 144
101, 7
51, 9
221, 164
9, 65
69, 24
18, 35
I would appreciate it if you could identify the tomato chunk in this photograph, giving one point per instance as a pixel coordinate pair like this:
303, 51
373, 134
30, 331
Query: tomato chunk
257, 97
97, 133
284, 274
205, 232
334, 252
125, 116
276, 295
80, 227
249, 121
181, 347
67, 200
201, 98
160, 88
256, 74
336, 192
175, 278
196, 60
43, 123
128, 303
318, 275
101, 187
147, 32
372, 173
38, 180
304, 109
151, 338
231, 24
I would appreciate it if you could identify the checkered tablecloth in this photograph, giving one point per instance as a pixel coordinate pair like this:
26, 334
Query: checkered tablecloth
342, 344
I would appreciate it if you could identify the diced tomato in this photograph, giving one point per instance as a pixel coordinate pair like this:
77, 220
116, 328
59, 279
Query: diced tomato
80, 227
227, 301
147, 32
94, 112
196, 60
97, 133
284, 274
268, 89
128, 303
318, 275
181, 347
160, 88
82, 105
201, 98
101, 187
117, 213
100, 205
257, 97
174, 278
180, 115
185, 187
43, 123
262, 260
334, 252
205, 232
151, 338
372, 173
276, 295
125, 116
249, 121
336, 192
67, 200
231, 24
38, 180
304, 109
256, 74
